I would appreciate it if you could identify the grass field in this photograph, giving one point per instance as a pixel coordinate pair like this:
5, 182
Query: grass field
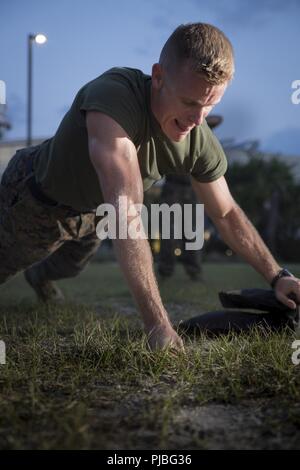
80, 376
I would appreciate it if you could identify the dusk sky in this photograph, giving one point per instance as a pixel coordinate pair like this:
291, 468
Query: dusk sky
85, 38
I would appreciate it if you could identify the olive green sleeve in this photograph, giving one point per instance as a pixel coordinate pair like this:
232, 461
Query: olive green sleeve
112, 95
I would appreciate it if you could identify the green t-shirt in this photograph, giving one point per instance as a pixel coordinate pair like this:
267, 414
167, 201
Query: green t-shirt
63, 167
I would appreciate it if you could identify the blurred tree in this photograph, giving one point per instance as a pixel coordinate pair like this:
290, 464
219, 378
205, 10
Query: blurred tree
267, 191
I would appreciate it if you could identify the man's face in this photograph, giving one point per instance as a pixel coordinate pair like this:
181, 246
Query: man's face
182, 100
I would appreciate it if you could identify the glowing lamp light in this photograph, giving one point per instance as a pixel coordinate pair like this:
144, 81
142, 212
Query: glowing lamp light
40, 38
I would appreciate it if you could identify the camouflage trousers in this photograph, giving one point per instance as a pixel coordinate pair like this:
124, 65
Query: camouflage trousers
56, 239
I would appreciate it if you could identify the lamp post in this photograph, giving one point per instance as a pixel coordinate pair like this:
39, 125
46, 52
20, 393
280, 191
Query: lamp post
39, 39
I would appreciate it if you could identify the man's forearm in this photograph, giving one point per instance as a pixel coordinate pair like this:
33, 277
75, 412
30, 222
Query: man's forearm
239, 233
135, 259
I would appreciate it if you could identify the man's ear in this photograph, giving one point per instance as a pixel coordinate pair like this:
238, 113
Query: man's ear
157, 76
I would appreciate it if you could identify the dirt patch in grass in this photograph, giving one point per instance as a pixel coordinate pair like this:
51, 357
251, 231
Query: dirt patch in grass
135, 422
81, 377
247, 425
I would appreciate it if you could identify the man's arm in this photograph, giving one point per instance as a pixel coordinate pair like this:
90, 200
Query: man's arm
114, 158
239, 233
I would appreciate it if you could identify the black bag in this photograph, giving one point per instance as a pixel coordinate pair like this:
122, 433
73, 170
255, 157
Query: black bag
270, 314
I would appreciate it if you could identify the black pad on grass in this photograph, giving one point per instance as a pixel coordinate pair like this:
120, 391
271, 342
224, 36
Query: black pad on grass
273, 314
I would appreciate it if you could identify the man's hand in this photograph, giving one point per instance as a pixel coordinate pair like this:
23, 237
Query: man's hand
286, 289
164, 336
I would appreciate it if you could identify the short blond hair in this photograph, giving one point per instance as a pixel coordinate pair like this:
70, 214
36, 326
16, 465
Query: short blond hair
205, 46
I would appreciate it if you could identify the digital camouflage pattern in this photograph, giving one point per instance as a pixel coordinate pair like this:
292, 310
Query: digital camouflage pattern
58, 239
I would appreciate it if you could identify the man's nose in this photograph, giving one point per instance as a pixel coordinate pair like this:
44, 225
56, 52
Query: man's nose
197, 117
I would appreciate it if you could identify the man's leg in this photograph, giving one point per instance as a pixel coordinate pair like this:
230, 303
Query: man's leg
23, 241
68, 261
28, 232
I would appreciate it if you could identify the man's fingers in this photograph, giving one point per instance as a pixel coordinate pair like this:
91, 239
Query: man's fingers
288, 291
286, 301
165, 338
178, 346
290, 303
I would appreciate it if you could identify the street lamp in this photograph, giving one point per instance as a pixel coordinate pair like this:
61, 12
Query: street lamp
39, 39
